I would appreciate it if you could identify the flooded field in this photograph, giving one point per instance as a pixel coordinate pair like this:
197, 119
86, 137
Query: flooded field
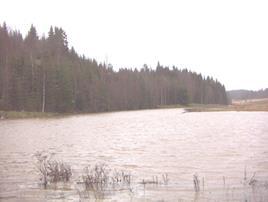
227, 151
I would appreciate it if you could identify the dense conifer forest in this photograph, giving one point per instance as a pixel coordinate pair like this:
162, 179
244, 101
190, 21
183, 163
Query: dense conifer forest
44, 74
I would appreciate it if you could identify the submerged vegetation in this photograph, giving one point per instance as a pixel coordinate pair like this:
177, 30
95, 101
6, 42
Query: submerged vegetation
100, 181
196, 183
42, 74
52, 171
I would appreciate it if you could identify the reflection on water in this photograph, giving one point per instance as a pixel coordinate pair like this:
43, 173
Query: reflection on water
217, 146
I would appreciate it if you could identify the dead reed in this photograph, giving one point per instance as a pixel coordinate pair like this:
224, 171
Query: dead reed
196, 183
52, 171
100, 180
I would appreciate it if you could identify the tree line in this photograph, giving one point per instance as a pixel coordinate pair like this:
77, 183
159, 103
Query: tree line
248, 94
44, 74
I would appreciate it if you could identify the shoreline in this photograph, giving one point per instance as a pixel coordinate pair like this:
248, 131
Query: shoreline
256, 105
249, 106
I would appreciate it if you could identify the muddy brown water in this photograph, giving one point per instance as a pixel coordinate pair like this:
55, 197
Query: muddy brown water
217, 146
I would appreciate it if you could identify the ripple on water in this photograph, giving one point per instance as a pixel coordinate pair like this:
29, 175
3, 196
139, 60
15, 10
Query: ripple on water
148, 143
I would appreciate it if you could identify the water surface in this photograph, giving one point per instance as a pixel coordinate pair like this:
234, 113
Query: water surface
214, 145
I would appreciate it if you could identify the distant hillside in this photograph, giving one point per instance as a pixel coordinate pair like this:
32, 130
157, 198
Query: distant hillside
247, 94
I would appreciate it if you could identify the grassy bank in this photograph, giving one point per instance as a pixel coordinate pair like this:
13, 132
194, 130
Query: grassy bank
24, 115
206, 108
237, 105
198, 107
251, 105
172, 106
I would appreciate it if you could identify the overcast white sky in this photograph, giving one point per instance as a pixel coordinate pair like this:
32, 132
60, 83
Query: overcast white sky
226, 39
